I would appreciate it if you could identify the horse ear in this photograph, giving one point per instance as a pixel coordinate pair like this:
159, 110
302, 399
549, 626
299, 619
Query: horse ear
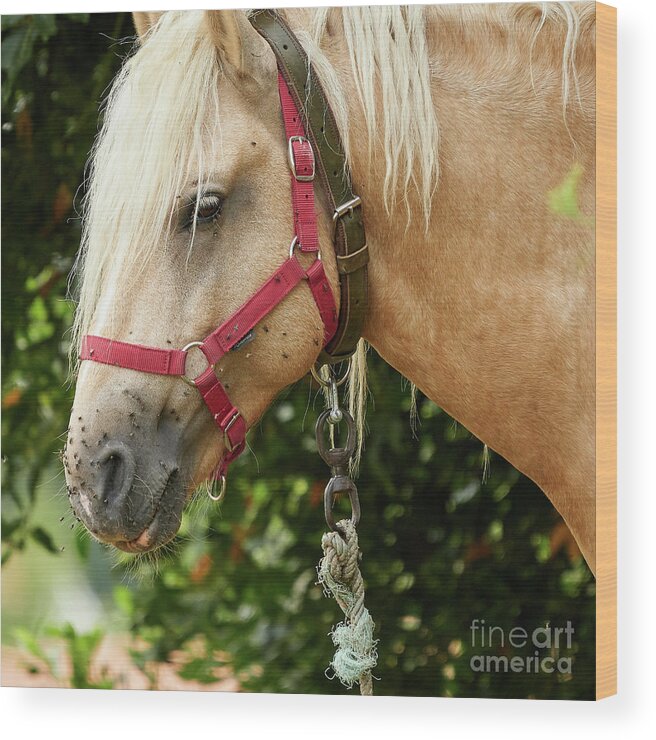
240, 48
226, 34
144, 21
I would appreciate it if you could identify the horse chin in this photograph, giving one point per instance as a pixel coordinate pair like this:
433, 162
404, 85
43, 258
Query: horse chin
165, 522
150, 539
161, 526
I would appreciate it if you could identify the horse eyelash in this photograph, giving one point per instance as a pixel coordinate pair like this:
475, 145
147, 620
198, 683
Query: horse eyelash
195, 205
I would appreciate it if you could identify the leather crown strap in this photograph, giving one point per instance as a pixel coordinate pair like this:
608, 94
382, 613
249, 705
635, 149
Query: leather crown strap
341, 333
349, 238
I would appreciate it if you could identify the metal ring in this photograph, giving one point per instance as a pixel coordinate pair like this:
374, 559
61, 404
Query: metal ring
186, 349
293, 246
341, 485
326, 383
295, 243
222, 492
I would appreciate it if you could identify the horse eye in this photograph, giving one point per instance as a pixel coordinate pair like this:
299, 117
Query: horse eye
209, 207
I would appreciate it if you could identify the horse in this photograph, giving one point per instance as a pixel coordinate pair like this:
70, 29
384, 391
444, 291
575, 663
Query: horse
469, 133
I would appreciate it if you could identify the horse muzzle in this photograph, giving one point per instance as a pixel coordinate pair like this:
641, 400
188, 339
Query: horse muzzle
134, 507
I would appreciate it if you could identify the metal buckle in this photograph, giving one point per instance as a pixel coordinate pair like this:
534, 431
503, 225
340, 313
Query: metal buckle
186, 349
292, 159
346, 208
226, 439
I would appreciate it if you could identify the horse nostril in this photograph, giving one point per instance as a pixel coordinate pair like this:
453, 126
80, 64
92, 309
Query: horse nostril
116, 472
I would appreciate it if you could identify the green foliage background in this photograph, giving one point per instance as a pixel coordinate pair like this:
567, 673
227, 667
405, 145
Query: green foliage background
441, 547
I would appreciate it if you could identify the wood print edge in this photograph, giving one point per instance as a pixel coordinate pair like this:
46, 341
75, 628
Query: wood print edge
606, 351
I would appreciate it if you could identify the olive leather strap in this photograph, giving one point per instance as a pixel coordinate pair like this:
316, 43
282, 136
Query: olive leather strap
349, 237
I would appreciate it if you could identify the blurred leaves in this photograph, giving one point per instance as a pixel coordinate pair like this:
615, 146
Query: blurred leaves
49, 118
42, 537
80, 649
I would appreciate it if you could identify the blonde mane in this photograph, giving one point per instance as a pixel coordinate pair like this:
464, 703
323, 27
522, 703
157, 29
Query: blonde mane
154, 137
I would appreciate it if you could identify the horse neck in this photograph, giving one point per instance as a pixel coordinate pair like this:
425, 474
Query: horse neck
489, 309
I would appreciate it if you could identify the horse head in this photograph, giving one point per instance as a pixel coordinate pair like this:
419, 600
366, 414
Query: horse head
187, 214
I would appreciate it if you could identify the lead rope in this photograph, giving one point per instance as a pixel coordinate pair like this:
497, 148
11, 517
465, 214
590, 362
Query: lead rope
339, 570
339, 574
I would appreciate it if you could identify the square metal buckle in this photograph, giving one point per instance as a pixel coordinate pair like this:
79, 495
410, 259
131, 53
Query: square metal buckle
226, 438
292, 159
343, 209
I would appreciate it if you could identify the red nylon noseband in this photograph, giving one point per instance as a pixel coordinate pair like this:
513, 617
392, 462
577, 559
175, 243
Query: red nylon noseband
233, 330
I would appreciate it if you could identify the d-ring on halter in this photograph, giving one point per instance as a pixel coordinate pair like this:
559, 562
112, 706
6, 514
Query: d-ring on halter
316, 374
222, 490
302, 145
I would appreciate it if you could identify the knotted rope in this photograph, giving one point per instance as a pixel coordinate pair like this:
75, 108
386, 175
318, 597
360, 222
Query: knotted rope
339, 574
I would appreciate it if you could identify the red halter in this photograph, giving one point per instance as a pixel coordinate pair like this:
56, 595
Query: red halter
236, 328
